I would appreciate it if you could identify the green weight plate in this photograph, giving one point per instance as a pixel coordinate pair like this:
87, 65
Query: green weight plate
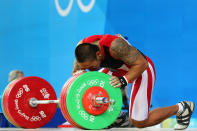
76, 109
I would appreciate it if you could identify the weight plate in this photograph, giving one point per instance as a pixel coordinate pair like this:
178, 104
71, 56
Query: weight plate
4, 103
63, 100
18, 106
75, 106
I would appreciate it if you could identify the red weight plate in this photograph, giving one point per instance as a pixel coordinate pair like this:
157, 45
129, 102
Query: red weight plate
63, 100
5, 103
89, 100
4, 107
63, 108
18, 102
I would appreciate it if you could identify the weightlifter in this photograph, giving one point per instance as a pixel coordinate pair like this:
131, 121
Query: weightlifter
127, 64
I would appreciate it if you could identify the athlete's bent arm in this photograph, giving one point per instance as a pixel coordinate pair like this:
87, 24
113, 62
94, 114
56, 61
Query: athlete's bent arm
120, 49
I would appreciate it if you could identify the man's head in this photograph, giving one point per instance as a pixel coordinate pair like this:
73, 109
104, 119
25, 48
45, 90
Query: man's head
88, 56
15, 74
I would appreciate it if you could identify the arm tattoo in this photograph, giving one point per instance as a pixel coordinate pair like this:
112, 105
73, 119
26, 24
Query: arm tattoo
122, 50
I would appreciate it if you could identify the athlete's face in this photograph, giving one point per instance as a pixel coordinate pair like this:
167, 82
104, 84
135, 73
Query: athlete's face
92, 65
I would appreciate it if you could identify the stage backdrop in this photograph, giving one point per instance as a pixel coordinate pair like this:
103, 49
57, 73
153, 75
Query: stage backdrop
39, 38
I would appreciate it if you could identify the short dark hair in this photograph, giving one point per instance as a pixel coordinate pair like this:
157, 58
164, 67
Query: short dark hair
86, 51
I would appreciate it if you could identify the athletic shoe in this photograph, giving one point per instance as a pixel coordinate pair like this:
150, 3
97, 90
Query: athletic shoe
183, 118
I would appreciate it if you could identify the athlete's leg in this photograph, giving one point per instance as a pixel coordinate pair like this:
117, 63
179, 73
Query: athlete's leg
156, 116
140, 103
140, 100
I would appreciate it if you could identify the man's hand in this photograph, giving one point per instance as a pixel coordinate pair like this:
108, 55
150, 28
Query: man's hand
115, 82
118, 81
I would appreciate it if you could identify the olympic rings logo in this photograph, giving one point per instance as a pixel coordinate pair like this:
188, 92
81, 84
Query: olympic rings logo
65, 12
84, 115
95, 82
92, 82
35, 118
19, 93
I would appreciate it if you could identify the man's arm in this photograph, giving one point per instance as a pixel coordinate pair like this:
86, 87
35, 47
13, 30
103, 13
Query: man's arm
121, 50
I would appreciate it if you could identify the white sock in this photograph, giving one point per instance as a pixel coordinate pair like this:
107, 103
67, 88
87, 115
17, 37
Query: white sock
180, 109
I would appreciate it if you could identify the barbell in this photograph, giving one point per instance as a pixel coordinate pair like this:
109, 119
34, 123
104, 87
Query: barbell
87, 101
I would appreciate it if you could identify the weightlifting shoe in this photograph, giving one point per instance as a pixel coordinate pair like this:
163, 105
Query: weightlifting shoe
183, 118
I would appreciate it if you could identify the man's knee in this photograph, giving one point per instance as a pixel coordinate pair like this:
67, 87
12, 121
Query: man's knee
138, 124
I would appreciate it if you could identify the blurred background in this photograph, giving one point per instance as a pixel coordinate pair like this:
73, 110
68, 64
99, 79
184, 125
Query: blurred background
39, 38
